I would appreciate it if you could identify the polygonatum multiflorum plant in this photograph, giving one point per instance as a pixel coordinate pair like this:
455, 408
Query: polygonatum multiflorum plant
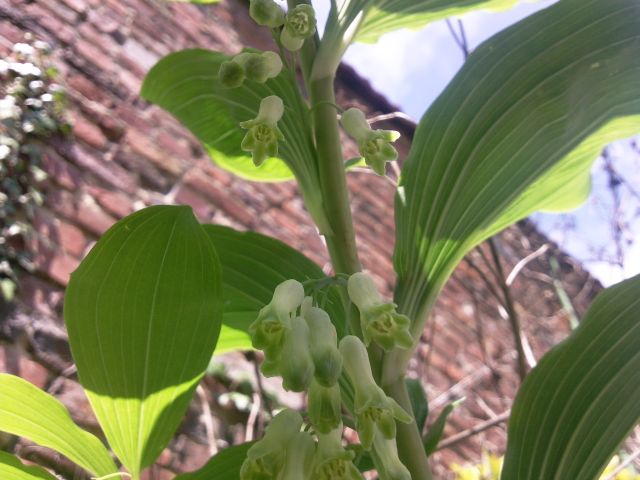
515, 131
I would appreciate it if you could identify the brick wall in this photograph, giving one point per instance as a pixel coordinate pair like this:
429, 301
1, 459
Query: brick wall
125, 154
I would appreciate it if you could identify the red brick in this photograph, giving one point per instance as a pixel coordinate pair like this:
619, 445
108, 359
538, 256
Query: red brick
201, 207
106, 170
92, 217
62, 172
77, 5
141, 145
70, 238
137, 56
95, 56
114, 202
88, 133
105, 20
111, 127
42, 296
86, 87
54, 263
15, 360
11, 32
177, 145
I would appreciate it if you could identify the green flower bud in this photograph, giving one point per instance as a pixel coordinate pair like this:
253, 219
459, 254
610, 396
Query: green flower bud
295, 363
259, 67
391, 468
379, 320
268, 330
263, 132
333, 461
323, 344
266, 458
266, 13
299, 25
374, 145
374, 410
325, 407
231, 74
299, 454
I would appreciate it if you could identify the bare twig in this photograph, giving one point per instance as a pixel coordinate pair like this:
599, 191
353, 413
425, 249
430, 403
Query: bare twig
523, 263
207, 420
470, 432
253, 417
627, 461
390, 116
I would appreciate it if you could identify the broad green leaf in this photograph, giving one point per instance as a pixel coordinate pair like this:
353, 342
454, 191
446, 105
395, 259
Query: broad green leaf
576, 407
419, 403
222, 466
387, 15
28, 412
143, 312
516, 131
434, 435
11, 468
252, 266
186, 85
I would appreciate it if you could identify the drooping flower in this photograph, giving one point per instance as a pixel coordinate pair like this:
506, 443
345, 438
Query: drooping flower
333, 461
266, 458
266, 13
390, 465
299, 24
295, 365
323, 344
263, 132
374, 410
379, 320
299, 452
325, 407
374, 145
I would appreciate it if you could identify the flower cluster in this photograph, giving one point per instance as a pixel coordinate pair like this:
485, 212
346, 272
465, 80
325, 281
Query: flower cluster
300, 344
374, 145
298, 24
255, 66
263, 133
30, 113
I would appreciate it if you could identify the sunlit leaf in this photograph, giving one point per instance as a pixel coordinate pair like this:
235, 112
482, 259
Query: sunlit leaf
516, 131
143, 312
222, 466
580, 402
28, 412
253, 265
11, 468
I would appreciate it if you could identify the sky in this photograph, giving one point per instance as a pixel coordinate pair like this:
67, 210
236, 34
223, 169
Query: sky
411, 68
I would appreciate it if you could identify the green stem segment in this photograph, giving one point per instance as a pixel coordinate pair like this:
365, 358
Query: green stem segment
408, 438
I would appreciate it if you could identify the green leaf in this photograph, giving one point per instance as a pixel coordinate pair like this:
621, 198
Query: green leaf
143, 312
11, 468
186, 85
516, 131
253, 265
419, 403
434, 435
223, 466
388, 15
576, 407
28, 412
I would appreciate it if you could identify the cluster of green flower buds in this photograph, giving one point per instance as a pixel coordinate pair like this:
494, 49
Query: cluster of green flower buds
263, 133
301, 359
298, 24
255, 66
374, 145
378, 319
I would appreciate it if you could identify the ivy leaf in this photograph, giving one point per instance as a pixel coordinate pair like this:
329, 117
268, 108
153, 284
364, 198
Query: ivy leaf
222, 466
516, 131
387, 15
27, 411
11, 468
143, 312
253, 265
583, 398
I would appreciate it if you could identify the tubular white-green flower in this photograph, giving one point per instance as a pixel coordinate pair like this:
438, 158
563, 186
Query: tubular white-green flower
333, 461
263, 132
299, 452
295, 364
299, 24
259, 67
323, 344
231, 74
374, 145
266, 458
374, 410
390, 468
266, 13
325, 407
378, 319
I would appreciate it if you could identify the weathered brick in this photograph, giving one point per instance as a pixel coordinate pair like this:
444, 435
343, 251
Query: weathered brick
11, 32
77, 5
54, 263
115, 203
137, 56
15, 360
201, 207
43, 296
106, 170
141, 145
92, 217
61, 233
88, 133
95, 56
62, 172
86, 87
174, 144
